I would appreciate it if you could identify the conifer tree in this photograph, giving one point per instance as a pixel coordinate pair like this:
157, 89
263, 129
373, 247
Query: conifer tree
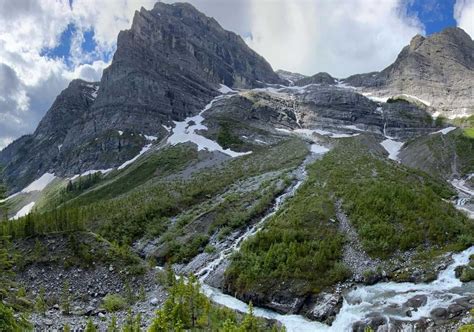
113, 325
90, 327
65, 298
40, 304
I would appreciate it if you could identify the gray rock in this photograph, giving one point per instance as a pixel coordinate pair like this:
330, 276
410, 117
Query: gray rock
89, 311
326, 307
319, 78
455, 310
375, 320
439, 314
417, 301
438, 69
154, 301
290, 77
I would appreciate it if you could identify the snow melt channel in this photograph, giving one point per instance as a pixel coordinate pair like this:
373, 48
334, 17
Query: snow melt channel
185, 131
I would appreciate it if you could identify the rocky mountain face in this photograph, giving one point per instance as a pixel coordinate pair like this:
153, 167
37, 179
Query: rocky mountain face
319, 78
289, 77
169, 65
338, 108
32, 155
438, 69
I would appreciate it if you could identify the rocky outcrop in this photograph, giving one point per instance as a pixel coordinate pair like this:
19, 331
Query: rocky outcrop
289, 77
319, 78
448, 155
331, 107
32, 155
169, 65
438, 69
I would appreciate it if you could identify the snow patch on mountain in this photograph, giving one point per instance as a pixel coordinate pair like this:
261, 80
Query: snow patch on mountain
310, 132
392, 147
185, 131
128, 162
444, 131
40, 183
91, 172
23, 211
417, 99
225, 89
319, 149
377, 99
150, 138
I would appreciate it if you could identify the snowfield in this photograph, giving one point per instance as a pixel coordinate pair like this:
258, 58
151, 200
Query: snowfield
128, 162
444, 131
392, 147
23, 211
185, 131
225, 89
309, 133
377, 99
417, 99
40, 183
316, 148
93, 171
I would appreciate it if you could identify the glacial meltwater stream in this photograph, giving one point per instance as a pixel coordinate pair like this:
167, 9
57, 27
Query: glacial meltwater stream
385, 299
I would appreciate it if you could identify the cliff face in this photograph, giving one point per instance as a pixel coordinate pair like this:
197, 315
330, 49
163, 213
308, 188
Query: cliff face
438, 69
169, 65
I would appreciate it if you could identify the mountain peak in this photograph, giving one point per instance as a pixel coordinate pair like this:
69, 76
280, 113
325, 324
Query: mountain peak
416, 41
437, 68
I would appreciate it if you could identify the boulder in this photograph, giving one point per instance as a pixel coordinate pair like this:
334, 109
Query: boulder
416, 301
325, 308
439, 314
455, 310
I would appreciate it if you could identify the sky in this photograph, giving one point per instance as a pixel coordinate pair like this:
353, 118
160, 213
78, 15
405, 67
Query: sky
44, 44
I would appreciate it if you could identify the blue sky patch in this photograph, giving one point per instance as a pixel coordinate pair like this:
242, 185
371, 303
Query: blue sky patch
89, 44
434, 14
64, 46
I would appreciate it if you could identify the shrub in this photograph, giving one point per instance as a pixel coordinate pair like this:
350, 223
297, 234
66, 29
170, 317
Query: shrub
114, 302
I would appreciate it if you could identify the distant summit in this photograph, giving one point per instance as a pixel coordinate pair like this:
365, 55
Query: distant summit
438, 69
319, 78
289, 77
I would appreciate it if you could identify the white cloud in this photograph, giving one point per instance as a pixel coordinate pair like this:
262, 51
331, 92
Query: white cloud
339, 37
107, 18
4, 142
464, 15
29, 80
